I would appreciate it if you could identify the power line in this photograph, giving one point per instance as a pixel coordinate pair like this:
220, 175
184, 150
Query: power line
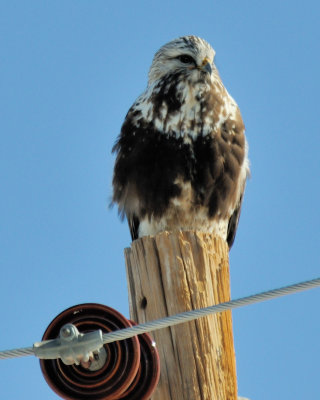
202, 312
185, 316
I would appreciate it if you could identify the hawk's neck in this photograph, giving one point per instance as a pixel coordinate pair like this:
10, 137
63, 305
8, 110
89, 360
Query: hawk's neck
183, 108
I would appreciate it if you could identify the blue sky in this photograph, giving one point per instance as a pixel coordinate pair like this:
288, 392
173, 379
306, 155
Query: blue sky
69, 71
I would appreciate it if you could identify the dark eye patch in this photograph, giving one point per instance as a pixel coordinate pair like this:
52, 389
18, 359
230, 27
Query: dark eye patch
186, 59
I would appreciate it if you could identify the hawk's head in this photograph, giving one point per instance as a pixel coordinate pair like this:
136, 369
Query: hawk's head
188, 55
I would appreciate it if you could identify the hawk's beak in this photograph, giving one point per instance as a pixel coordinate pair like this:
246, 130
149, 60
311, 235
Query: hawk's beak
206, 66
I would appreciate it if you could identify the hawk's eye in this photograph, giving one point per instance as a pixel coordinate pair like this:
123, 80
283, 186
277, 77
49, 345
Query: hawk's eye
186, 59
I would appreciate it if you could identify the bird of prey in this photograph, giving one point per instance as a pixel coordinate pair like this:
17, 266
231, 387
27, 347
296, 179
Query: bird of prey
182, 154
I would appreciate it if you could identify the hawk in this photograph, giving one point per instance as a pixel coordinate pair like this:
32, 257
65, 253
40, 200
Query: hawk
182, 154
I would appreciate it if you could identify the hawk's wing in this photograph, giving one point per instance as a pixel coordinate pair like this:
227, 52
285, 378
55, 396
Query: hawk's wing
133, 223
233, 223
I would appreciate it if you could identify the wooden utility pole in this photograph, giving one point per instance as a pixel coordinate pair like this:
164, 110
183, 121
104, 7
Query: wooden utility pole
174, 272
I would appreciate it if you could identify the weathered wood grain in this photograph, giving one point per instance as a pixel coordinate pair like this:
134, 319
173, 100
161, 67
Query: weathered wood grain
175, 272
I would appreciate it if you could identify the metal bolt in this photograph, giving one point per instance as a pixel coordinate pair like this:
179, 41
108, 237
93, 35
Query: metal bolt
98, 360
65, 332
68, 332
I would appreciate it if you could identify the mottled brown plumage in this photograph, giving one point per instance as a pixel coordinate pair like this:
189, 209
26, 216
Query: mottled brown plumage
182, 154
